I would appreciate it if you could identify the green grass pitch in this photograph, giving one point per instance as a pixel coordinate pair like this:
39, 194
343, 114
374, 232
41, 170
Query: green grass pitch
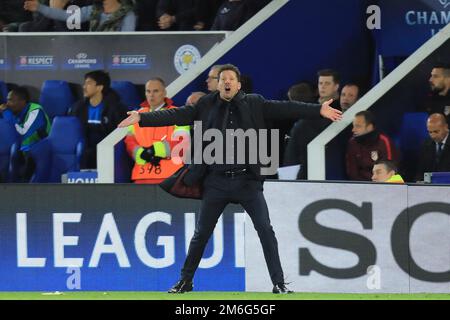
119, 295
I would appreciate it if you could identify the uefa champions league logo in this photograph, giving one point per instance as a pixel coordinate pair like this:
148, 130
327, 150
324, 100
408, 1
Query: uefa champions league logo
82, 60
445, 3
81, 55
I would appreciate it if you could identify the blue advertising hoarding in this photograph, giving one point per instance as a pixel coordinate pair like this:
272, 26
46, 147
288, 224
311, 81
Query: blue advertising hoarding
406, 25
112, 238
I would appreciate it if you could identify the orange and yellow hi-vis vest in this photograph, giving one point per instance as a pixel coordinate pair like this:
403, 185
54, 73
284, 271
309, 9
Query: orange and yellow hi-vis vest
160, 138
395, 179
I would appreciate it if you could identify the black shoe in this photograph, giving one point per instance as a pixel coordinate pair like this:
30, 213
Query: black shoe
182, 286
281, 288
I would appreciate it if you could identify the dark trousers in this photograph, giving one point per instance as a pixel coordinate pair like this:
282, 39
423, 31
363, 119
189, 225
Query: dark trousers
26, 167
218, 192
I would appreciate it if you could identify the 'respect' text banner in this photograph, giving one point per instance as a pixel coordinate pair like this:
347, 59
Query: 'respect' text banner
31, 59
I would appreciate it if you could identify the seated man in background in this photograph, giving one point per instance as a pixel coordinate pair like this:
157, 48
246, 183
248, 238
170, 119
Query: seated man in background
32, 125
435, 152
212, 81
150, 147
366, 147
194, 97
305, 130
386, 171
99, 112
12, 15
439, 99
349, 96
106, 15
41, 23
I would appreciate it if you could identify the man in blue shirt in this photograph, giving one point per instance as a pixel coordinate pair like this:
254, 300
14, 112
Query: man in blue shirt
31, 123
99, 112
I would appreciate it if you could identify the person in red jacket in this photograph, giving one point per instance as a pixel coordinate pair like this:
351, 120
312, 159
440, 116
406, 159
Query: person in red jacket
150, 147
366, 147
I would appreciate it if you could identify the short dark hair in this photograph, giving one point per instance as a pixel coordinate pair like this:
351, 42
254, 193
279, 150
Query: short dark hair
330, 73
101, 78
22, 93
302, 91
389, 164
353, 84
216, 66
368, 117
230, 67
444, 66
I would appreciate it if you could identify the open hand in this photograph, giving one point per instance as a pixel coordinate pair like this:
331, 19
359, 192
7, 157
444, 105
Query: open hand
133, 117
328, 112
31, 5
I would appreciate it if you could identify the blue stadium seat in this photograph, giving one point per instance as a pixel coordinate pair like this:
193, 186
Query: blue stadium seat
8, 138
60, 152
413, 132
56, 98
3, 92
128, 94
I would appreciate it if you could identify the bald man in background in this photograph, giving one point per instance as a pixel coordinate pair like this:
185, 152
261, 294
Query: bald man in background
435, 152
213, 78
194, 97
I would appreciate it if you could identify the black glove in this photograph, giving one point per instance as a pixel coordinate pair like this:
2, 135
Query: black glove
149, 155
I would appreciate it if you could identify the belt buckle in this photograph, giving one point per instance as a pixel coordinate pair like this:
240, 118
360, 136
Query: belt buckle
229, 173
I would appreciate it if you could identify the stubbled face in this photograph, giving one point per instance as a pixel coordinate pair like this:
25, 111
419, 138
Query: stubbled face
349, 95
14, 103
380, 173
155, 93
90, 88
438, 80
360, 126
327, 87
437, 130
228, 84
213, 80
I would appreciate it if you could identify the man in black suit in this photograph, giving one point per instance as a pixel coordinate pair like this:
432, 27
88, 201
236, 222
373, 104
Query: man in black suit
435, 153
231, 181
303, 131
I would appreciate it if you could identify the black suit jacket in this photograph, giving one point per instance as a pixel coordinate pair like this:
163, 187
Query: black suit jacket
427, 161
254, 113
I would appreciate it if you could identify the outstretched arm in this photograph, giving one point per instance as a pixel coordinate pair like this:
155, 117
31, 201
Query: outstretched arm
284, 110
177, 116
55, 13
328, 112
